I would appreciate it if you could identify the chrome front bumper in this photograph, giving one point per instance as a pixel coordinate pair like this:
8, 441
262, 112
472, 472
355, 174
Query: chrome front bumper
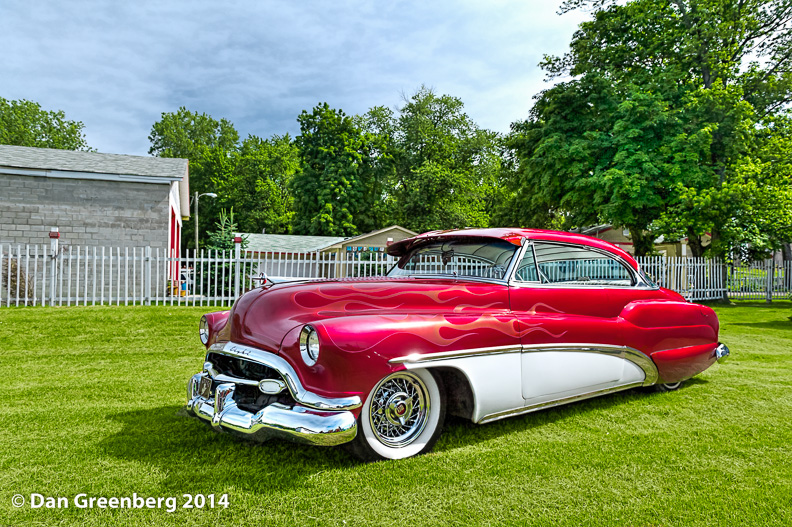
311, 420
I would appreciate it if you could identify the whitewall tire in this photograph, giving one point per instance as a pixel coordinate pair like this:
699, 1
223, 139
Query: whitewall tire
402, 417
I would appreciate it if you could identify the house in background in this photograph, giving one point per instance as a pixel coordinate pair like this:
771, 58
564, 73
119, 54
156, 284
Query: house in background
621, 238
335, 256
261, 245
93, 199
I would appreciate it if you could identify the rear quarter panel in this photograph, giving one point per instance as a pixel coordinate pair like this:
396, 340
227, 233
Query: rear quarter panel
680, 337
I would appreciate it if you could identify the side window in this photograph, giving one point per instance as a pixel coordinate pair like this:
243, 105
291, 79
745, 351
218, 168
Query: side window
565, 264
526, 269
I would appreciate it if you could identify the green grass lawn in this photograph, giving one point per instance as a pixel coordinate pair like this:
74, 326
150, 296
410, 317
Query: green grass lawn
90, 399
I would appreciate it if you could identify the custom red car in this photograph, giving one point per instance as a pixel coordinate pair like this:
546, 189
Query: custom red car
479, 323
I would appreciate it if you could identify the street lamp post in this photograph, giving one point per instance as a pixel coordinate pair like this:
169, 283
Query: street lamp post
197, 196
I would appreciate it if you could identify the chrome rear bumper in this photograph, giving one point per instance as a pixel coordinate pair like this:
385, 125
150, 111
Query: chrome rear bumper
296, 423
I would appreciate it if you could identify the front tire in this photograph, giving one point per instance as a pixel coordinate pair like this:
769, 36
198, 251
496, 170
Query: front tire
403, 416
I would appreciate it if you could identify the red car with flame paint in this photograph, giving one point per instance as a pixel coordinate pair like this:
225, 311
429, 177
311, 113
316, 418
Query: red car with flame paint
480, 323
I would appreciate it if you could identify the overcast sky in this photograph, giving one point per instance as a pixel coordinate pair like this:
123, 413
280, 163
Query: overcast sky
116, 66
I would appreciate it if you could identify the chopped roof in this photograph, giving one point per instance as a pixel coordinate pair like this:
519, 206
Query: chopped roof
514, 236
23, 157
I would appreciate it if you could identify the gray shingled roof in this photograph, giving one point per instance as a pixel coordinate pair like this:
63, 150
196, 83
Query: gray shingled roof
73, 161
280, 243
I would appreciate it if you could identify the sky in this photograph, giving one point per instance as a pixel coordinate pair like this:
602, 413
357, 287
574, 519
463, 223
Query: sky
117, 66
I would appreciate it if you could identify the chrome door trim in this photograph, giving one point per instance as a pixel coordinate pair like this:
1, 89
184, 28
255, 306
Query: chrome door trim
445, 355
623, 352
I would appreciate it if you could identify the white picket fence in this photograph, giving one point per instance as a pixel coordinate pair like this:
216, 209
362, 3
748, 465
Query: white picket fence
71, 275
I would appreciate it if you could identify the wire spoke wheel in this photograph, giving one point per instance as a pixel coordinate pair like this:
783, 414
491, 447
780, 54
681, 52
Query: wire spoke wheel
399, 410
402, 416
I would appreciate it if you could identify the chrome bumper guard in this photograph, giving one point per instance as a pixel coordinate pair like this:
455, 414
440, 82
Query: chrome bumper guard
309, 421
722, 352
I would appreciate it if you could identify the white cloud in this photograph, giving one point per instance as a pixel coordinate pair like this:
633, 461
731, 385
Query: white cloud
118, 66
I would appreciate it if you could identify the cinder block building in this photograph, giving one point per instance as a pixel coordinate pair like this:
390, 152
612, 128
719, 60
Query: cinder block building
93, 199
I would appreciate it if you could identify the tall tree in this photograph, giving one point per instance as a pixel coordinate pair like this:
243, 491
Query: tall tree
662, 127
259, 185
185, 134
25, 123
336, 192
445, 169
210, 146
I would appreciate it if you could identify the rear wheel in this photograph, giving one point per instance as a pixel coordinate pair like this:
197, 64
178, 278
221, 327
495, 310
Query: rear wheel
668, 387
402, 417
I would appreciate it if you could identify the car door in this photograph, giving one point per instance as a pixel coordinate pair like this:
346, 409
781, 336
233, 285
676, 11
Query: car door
569, 334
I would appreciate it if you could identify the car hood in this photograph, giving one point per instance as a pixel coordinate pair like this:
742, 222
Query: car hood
263, 316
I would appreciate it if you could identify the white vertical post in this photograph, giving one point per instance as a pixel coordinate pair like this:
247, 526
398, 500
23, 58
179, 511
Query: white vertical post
237, 257
102, 281
147, 276
93, 282
69, 279
35, 273
5, 263
769, 270
27, 274
19, 271
54, 236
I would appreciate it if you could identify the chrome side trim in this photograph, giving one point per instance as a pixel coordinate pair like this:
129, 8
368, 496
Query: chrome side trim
297, 423
558, 402
443, 355
623, 352
297, 390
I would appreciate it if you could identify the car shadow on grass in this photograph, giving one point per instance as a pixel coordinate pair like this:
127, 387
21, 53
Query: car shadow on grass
197, 459
785, 325
460, 432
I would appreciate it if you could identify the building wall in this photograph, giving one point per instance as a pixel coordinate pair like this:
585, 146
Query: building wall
87, 212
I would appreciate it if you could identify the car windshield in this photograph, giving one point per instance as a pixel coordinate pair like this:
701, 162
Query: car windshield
476, 259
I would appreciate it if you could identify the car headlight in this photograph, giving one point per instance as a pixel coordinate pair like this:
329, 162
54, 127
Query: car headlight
309, 345
203, 330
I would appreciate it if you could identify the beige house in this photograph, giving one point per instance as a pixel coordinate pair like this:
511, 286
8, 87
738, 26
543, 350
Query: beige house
340, 253
376, 241
621, 238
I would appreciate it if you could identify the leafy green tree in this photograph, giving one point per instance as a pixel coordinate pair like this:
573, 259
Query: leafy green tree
185, 134
210, 147
25, 123
663, 125
337, 191
259, 184
445, 170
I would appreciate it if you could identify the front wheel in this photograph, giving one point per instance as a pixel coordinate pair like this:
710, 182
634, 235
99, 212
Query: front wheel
402, 417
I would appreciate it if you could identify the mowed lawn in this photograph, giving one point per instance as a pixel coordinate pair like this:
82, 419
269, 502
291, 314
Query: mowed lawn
90, 398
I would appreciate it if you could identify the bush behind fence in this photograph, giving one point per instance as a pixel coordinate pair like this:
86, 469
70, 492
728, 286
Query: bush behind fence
74, 275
